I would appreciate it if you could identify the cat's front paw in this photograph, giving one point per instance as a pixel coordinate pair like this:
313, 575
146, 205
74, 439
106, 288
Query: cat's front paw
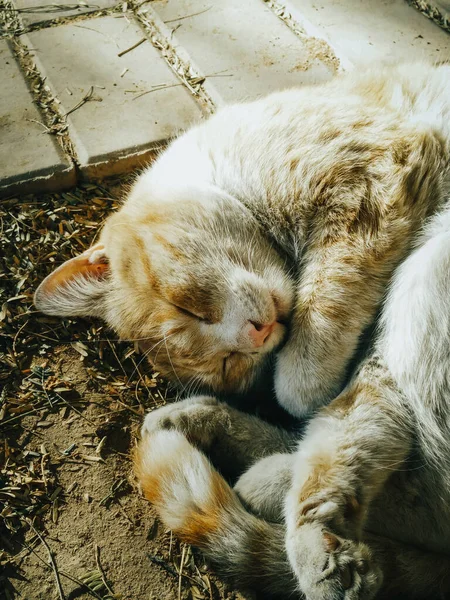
331, 568
198, 418
290, 385
301, 386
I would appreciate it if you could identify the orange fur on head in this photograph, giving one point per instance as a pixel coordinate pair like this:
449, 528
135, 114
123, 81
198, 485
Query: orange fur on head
184, 293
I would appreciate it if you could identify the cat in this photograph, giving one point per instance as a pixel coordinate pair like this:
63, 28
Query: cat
359, 507
295, 207
276, 226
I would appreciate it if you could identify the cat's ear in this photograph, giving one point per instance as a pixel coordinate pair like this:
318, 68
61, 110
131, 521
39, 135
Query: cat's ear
77, 287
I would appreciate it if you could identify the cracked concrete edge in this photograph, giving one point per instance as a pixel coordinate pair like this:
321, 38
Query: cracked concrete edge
122, 163
62, 178
317, 44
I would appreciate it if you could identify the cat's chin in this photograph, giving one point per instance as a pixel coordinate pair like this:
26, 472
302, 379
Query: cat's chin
266, 354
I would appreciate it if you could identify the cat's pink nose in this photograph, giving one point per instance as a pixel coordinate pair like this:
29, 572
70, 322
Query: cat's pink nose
259, 332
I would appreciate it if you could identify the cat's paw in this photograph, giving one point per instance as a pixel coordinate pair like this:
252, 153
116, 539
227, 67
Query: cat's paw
263, 487
331, 568
289, 388
198, 418
301, 386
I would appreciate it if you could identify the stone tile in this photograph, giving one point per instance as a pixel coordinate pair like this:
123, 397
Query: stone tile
368, 30
243, 43
30, 160
117, 129
33, 12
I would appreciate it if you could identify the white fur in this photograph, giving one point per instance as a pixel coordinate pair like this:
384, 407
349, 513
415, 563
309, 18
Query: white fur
263, 487
79, 297
186, 476
415, 333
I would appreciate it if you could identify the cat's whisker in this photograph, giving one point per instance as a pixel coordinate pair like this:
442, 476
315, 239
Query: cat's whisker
190, 389
141, 379
146, 354
193, 385
164, 340
395, 466
143, 358
197, 384
170, 360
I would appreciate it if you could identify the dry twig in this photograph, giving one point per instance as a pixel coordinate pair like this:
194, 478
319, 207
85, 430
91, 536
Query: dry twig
132, 47
102, 572
51, 559
84, 99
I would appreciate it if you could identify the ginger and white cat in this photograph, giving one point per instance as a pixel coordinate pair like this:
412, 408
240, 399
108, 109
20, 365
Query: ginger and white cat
294, 212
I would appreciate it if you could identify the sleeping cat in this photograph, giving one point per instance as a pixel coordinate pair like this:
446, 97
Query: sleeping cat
293, 212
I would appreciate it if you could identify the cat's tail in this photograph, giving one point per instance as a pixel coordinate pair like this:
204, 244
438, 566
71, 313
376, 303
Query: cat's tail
194, 500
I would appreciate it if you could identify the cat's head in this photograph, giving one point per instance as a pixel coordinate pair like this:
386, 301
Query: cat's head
188, 275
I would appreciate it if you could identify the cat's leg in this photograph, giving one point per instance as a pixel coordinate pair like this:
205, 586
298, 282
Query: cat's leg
263, 487
340, 287
364, 435
199, 506
349, 451
360, 227
194, 500
233, 440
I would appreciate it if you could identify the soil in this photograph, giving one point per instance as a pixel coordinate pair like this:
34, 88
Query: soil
140, 559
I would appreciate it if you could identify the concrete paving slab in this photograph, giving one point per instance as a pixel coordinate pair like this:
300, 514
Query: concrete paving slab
367, 30
33, 12
30, 159
127, 115
242, 46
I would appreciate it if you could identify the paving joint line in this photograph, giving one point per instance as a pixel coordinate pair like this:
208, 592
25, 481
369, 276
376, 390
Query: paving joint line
190, 77
432, 13
183, 68
49, 23
10, 22
54, 122
317, 47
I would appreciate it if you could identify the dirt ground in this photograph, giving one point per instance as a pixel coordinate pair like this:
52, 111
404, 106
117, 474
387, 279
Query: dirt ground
73, 524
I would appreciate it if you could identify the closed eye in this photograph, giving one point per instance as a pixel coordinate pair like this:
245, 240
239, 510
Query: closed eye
188, 313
